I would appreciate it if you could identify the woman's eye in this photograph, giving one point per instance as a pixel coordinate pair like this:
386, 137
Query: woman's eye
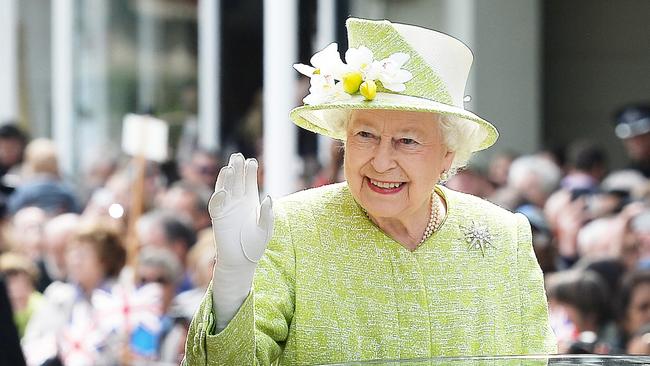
365, 134
407, 141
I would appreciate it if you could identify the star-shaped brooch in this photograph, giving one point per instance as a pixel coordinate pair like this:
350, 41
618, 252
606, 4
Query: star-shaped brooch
477, 236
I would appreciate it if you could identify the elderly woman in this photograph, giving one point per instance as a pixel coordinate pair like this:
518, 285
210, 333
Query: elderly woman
387, 265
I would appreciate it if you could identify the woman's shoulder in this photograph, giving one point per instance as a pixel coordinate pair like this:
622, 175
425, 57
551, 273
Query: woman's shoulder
60, 292
471, 202
316, 204
471, 207
336, 193
472, 217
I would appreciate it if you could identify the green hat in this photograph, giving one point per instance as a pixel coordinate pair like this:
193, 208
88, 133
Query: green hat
388, 66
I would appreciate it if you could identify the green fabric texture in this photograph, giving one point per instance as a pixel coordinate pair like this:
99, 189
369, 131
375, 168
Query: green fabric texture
332, 287
21, 318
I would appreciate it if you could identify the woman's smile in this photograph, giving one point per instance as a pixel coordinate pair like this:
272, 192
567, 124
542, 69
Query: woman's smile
384, 187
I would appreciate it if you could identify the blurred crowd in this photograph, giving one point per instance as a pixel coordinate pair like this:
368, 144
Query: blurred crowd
591, 233
88, 282
91, 281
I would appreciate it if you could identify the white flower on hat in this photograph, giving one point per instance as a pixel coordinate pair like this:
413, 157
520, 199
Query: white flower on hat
327, 69
361, 60
324, 89
326, 62
332, 80
391, 75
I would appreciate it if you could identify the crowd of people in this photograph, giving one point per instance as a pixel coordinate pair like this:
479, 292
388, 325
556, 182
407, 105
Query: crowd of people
591, 233
79, 297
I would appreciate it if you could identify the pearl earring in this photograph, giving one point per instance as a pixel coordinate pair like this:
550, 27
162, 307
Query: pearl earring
444, 176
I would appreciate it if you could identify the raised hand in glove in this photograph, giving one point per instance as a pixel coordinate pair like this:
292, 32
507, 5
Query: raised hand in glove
242, 227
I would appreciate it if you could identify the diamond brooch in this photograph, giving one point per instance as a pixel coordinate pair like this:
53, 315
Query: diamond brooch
477, 236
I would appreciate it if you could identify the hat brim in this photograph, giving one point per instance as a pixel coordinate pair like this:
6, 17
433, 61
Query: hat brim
329, 118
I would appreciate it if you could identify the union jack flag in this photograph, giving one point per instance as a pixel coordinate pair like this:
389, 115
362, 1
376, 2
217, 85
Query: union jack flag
124, 308
80, 340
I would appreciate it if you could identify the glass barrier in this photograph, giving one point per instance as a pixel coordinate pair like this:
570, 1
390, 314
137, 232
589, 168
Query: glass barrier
559, 360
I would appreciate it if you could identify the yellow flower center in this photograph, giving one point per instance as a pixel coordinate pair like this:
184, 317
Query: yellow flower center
351, 82
368, 89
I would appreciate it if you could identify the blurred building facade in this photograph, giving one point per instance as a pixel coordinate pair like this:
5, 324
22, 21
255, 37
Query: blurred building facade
545, 72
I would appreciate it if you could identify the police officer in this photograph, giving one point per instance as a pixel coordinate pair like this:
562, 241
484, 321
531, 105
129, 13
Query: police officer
633, 128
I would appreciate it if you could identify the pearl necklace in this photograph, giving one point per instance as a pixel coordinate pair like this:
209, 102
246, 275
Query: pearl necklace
434, 219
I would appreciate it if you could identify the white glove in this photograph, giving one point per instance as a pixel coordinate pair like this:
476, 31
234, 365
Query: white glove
242, 228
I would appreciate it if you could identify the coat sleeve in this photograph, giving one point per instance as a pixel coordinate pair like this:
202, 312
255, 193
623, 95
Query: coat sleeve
536, 333
258, 332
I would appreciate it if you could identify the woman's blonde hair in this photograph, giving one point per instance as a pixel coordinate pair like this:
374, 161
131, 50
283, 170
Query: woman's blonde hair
13, 263
107, 243
41, 157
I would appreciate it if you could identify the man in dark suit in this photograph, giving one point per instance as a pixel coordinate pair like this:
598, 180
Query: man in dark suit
11, 353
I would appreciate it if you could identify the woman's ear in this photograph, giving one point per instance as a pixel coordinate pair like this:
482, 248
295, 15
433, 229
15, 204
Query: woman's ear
447, 159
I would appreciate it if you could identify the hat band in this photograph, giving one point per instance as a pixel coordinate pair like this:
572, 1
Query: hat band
632, 129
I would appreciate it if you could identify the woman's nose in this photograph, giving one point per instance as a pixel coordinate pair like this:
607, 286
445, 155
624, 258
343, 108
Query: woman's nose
384, 158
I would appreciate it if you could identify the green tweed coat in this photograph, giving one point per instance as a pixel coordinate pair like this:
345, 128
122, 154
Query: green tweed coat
332, 287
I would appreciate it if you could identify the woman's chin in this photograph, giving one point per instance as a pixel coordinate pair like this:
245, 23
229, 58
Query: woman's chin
385, 211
